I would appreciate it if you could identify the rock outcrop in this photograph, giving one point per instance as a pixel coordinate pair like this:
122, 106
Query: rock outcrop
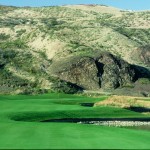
105, 71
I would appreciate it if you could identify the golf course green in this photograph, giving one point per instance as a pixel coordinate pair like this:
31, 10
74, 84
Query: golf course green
21, 125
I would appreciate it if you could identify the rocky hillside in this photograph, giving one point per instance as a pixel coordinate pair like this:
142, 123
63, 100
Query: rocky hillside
74, 48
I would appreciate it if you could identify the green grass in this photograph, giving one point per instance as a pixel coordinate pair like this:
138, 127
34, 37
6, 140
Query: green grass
144, 81
29, 133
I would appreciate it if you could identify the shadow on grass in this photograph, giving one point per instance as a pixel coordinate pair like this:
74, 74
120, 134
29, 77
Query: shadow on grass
87, 120
139, 109
87, 104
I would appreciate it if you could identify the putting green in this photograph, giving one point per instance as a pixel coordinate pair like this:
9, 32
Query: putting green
29, 133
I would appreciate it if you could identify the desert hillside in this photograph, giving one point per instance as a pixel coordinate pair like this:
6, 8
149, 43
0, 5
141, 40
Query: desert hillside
74, 48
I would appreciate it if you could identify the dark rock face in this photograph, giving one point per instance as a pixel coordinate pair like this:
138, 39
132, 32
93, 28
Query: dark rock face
104, 71
117, 72
83, 73
140, 72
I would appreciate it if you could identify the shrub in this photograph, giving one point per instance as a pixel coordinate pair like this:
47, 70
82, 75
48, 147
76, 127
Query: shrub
6, 56
66, 87
13, 44
128, 86
3, 36
144, 81
20, 32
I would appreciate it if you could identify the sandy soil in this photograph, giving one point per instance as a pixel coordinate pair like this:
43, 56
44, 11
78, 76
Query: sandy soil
97, 8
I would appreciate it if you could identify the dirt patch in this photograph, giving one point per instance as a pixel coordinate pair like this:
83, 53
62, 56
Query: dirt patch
51, 47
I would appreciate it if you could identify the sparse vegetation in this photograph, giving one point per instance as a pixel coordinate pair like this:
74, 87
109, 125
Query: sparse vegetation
40, 38
12, 22
138, 35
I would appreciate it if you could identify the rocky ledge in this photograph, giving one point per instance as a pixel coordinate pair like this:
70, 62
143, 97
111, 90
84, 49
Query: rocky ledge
117, 123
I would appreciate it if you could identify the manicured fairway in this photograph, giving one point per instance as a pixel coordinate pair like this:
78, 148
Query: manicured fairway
30, 133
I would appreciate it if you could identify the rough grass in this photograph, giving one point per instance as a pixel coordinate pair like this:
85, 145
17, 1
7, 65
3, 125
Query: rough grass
125, 102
